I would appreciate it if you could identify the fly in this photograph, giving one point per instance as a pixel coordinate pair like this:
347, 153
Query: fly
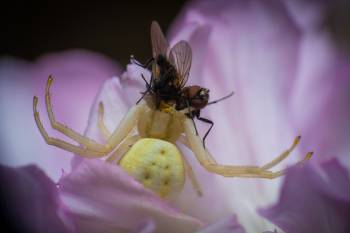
170, 70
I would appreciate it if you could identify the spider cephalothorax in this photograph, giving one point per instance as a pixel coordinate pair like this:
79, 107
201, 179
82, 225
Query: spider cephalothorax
144, 141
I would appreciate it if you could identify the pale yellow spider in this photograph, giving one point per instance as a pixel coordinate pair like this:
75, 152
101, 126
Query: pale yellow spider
150, 155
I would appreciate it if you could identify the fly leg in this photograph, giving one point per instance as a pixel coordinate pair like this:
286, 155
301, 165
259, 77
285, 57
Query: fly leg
211, 126
145, 66
148, 89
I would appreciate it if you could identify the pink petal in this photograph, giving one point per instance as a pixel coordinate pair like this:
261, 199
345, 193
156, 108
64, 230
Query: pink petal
323, 81
103, 198
250, 48
288, 80
149, 226
229, 225
308, 15
78, 75
117, 95
30, 201
313, 201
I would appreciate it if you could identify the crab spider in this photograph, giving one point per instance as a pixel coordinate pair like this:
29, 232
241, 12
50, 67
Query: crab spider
153, 147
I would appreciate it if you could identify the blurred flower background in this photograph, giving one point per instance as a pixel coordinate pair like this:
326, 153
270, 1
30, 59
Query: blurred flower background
287, 61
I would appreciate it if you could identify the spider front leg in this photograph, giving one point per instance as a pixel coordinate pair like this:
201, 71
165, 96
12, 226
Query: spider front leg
89, 148
86, 142
125, 145
128, 123
196, 146
60, 143
123, 148
101, 125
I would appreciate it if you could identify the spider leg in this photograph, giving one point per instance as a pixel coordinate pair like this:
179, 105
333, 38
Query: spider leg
273, 175
274, 162
282, 156
126, 124
194, 124
250, 173
123, 148
90, 147
190, 114
60, 143
88, 143
230, 170
184, 141
195, 184
104, 131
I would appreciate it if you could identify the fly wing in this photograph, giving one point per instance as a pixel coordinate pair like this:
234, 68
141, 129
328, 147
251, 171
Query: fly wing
181, 57
159, 43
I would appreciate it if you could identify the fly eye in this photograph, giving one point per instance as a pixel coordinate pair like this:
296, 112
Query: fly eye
204, 93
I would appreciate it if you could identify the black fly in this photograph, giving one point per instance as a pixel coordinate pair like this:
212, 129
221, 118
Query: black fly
169, 74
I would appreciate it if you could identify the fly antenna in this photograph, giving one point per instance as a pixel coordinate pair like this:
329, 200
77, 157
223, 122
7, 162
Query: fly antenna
223, 98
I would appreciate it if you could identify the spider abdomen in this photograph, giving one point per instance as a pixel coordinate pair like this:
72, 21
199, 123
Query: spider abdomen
157, 164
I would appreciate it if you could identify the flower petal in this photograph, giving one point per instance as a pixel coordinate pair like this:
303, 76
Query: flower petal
323, 81
149, 226
249, 47
103, 198
31, 201
77, 74
313, 201
117, 95
229, 225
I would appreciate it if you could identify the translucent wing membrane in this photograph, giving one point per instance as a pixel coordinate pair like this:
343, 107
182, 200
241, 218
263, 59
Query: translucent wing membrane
181, 57
159, 43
